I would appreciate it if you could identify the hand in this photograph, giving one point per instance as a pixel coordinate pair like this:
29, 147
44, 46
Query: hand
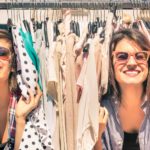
103, 117
24, 107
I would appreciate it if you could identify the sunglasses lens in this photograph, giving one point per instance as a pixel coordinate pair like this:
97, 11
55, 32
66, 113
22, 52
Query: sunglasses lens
121, 56
141, 56
4, 53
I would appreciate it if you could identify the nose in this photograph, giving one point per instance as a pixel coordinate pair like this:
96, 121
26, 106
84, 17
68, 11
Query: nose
131, 62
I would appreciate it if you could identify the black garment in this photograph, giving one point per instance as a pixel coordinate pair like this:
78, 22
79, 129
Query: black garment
2, 146
9, 144
131, 141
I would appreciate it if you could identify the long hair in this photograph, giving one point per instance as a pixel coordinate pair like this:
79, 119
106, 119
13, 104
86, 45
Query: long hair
136, 36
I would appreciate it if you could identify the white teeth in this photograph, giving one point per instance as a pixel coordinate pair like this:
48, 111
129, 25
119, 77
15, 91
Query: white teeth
131, 73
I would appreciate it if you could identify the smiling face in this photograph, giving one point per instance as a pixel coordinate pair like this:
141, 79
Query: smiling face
132, 71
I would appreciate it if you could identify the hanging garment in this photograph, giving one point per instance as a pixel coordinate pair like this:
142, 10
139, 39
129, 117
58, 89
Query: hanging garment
27, 77
51, 72
45, 69
59, 139
105, 53
88, 123
49, 105
36, 135
98, 57
70, 98
32, 32
143, 29
28, 43
36, 126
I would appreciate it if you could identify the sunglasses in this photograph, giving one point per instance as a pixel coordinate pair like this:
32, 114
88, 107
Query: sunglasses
4, 53
123, 57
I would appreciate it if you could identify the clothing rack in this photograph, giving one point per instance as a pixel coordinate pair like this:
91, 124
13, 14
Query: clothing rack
87, 4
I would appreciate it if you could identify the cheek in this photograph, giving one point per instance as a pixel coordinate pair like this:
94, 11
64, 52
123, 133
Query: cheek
145, 69
6, 71
117, 71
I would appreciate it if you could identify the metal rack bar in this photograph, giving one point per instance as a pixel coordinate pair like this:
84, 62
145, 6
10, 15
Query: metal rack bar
95, 4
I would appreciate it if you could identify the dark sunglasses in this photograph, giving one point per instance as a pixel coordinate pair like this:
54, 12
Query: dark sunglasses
139, 57
4, 53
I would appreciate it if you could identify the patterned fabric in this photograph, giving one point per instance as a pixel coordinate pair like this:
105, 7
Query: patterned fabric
27, 76
36, 135
9, 145
12, 123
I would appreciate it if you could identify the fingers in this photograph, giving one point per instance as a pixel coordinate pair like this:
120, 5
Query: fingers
31, 94
39, 92
34, 99
106, 115
103, 115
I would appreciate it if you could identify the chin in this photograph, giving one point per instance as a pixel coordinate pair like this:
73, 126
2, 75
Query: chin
132, 82
136, 80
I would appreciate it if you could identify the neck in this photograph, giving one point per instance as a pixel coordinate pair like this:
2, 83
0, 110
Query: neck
4, 96
131, 96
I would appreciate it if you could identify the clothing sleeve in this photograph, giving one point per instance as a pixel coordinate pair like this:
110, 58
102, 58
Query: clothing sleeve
106, 137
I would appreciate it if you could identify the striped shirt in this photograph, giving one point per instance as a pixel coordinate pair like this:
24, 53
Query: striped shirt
113, 137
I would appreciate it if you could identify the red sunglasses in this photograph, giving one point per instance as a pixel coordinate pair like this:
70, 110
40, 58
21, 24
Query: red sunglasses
4, 53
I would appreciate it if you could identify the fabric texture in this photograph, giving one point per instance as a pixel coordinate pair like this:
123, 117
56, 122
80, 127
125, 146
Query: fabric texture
88, 123
113, 136
36, 135
27, 76
9, 145
105, 53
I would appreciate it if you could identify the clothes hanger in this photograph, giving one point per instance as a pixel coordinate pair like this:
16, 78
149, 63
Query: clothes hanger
9, 20
135, 23
33, 13
96, 21
12, 12
54, 25
146, 18
74, 20
33, 17
104, 16
45, 10
90, 23
25, 24
100, 16
97, 17
46, 31
71, 22
77, 26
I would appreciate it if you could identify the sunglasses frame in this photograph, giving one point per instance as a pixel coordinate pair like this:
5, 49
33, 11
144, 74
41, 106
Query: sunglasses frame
7, 56
114, 53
